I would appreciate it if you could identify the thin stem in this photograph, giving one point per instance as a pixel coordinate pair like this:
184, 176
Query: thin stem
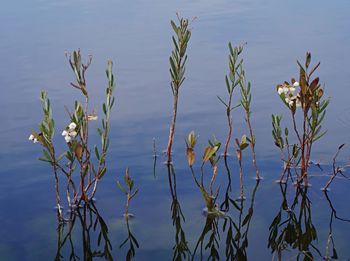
252, 145
172, 127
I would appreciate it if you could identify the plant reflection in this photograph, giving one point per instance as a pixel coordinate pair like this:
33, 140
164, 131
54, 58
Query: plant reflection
234, 231
244, 220
211, 228
181, 250
131, 239
130, 192
92, 226
292, 227
330, 251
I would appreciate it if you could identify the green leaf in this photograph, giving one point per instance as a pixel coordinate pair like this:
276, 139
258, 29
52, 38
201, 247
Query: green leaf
96, 153
61, 156
47, 156
174, 26
121, 187
222, 102
102, 173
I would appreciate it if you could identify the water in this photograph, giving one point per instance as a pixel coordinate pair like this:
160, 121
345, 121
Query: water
137, 37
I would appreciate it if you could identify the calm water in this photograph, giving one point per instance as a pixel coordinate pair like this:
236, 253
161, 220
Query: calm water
136, 35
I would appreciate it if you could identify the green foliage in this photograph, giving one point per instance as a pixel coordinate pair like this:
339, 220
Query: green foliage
303, 99
178, 56
233, 79
76, 134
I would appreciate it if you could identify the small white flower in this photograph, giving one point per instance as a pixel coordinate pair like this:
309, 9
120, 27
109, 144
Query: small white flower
31, 137
285, 90
287, 100
67, 138
72, 126
291, 103
292, 89
296, 84
73, 134
280, 90
64, 133
35, 140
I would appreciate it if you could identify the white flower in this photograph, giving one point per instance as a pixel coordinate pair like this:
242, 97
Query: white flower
64, 133
291, 103
296, 84
287, 100
292, 89
72, 134
280, 90
72, 126
67, 138
35, 140
285, 90
31, 137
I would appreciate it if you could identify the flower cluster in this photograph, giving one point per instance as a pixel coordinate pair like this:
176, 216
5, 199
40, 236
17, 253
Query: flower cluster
31, 137
69, 132
288, 93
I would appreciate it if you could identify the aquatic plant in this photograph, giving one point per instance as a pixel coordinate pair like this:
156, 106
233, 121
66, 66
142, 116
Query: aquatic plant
336, 169
303, 99
241, 145
78, 156
245, 101
130, 193
232, 81
209, 155
177, 70
236, 78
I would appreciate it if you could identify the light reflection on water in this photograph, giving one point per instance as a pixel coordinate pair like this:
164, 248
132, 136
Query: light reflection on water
136, 35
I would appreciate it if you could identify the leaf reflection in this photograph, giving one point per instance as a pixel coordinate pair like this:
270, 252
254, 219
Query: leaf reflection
234, 226
131, 239
330, 251
292, 227
92, 225
181, 250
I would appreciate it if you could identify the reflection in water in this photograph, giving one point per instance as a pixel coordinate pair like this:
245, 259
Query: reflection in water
292, 227
130, 192
243, 227
236, 244
211, 228
330, 251
225, 205
92, 225
235, 230
131, 239
181, 250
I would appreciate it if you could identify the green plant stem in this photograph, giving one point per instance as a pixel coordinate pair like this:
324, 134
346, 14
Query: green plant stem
212, 180
252, 145
229, 121
172, 127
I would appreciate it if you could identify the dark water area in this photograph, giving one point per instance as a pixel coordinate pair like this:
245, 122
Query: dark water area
137, 37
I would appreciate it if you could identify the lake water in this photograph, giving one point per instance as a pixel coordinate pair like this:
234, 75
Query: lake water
136, 35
